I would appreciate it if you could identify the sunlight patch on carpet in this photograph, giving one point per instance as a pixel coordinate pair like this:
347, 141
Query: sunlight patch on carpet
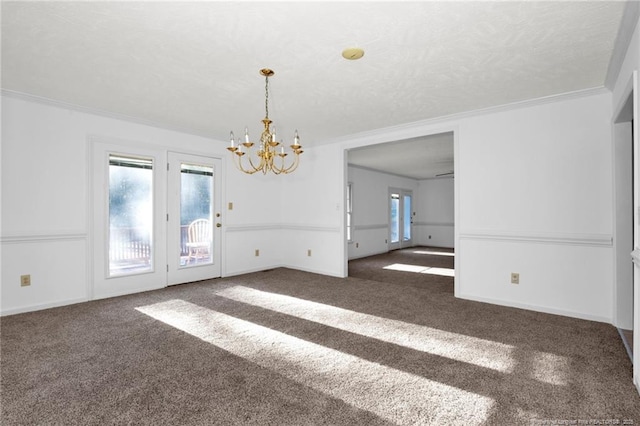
467, 349
550, 368
406, 268
436, 253
394, 395
447, 272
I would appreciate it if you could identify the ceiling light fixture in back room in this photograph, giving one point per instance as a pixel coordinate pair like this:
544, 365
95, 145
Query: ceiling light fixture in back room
268, 158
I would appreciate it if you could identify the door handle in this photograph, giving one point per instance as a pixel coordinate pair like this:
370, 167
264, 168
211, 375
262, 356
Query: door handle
218, 225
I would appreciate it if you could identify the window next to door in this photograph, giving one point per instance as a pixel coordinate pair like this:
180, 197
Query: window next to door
130, 214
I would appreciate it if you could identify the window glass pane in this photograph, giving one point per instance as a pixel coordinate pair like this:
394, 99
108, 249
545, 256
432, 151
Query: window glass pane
395, 219
130, 215
406, 236
196, 193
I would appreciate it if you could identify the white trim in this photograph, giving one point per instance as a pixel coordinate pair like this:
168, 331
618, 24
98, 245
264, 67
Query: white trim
433, 224
371, 227
99, 112
313, 271
42, 306
537, 308
369, 135
39, 238
252, 270
312, 228
252, 227
133, 290
372, 137
100, 149
597, 240
280, 227
281, 266
623, 39
635, 257
370, 169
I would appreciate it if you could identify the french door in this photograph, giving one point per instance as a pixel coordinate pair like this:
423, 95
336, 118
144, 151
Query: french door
155, 218
400, 218
194, 218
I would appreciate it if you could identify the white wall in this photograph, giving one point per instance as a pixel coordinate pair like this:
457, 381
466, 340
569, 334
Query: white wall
253, 223
533, 194
435, 225
371, 209
45, 208
313, 213
535, 198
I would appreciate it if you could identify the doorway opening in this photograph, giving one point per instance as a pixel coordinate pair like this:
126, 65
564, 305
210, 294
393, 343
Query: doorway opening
400, 194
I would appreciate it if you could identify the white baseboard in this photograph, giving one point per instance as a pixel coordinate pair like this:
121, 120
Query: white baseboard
251, 271
127, 292
536, 308
368, 254
40, 307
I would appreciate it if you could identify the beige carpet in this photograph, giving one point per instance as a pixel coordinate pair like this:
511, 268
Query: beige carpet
285, 347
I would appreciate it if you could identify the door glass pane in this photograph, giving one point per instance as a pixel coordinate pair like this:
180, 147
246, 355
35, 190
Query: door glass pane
406, 236
196, 195
130, 215
395, 218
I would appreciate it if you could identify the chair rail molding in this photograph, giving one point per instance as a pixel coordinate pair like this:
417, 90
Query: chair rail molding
596, 240
38, 237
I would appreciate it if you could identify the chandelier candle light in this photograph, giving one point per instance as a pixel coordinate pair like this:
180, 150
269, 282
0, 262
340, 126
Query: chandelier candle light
268, 158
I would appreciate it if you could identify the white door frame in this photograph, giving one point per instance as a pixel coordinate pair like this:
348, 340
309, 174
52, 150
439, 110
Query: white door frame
177, 273
636, 238
105, 285
401, 243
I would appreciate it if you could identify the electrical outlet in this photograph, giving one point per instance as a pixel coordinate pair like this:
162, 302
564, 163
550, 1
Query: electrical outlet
25, 280
357, 245
257, 252
309, 252
230, 206
515, 278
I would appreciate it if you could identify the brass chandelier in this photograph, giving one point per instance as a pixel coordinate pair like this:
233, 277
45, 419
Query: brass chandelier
268, 157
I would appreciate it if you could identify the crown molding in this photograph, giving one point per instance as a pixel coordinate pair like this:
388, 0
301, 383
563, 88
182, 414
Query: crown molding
369, 169
405, 128
95, 111
414, 129
626, 29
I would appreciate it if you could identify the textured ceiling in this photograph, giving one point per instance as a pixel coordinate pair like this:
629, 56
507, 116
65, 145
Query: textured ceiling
194, 65
417, 158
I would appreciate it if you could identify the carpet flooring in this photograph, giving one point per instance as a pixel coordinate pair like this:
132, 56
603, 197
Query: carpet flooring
285, 347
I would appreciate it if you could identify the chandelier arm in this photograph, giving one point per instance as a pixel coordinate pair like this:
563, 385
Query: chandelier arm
241, 168
284, 169
294, 166
255, 169
277, 170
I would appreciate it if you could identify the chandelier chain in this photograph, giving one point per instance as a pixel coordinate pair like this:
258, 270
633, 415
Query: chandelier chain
266, 97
